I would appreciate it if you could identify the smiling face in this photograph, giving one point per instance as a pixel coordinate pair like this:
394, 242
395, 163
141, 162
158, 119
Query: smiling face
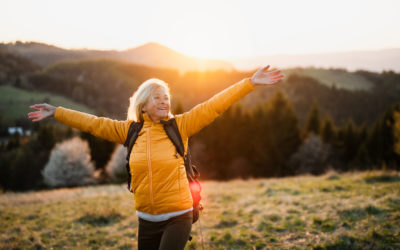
158, 105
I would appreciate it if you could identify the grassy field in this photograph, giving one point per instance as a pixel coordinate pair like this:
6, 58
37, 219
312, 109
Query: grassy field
15, 102
346, 211
342, 79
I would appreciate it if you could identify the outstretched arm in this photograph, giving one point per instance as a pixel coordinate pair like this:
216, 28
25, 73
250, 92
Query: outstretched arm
108, 129
203, 114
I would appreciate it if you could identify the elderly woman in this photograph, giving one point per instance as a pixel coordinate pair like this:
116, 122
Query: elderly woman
163, 200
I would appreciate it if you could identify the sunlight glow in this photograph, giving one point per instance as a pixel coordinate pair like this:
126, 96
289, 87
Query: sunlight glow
209, 29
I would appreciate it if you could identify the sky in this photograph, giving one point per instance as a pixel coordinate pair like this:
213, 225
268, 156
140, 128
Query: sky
208, 28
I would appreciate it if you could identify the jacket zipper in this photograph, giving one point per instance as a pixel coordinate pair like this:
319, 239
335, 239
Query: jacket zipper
150, 170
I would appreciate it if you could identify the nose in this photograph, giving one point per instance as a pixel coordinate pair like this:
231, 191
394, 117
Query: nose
164, 101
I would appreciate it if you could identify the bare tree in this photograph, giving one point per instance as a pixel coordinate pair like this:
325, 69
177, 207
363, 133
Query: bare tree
69, 164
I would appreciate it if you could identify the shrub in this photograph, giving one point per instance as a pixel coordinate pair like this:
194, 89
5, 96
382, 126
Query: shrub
115, 168
69, 164
312, 157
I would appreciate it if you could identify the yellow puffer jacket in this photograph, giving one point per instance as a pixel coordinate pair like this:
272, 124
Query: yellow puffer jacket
158, 173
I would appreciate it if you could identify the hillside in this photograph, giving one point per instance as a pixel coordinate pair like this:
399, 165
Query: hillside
157, 55
150, 54
334, 77
333, 211
15, 102
373, 60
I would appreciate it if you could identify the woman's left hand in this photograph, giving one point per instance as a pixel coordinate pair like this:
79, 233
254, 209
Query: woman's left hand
265, 77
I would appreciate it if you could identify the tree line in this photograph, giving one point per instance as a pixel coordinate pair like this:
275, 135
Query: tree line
298, 126
106, 85
266, 141
269, 141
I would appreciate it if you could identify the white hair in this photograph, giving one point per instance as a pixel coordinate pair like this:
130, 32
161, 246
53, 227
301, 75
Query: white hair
141, 96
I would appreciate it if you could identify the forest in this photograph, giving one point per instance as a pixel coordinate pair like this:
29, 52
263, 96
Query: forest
302, 125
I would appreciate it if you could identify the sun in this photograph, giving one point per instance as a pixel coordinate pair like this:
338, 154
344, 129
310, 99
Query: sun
201, 31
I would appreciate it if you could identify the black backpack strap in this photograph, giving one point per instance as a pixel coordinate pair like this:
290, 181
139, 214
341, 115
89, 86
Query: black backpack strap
192, 174
171, 129
133, 134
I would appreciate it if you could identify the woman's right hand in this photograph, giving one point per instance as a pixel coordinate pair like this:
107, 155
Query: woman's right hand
45, 110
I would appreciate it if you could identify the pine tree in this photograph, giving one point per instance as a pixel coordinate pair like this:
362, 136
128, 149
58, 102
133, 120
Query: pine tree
381, 140
396, 131
348, 145
328, 131
45, 136
314, 120
277, 136
100, 149
362, 160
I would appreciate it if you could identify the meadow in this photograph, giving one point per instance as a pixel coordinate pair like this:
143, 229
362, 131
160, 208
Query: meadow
15, 102
358, 210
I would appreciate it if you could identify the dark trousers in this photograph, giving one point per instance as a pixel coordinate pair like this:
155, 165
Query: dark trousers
170, 234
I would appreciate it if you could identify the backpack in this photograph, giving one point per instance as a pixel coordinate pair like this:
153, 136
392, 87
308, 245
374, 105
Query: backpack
192, 173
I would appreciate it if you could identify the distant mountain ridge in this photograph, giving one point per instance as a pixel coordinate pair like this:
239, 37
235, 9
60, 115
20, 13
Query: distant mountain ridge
156, 55
374, 60
150, 54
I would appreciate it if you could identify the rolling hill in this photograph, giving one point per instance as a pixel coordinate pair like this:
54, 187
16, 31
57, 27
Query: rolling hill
150, 54
15, 102
374, 60
157, 55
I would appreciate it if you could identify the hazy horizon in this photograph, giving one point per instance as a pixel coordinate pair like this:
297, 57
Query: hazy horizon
149, 42
210, 29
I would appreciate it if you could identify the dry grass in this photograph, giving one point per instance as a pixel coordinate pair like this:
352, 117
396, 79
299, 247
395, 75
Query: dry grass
359, 210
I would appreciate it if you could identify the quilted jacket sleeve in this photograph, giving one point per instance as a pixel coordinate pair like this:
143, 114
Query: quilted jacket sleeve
108, 129
203, 114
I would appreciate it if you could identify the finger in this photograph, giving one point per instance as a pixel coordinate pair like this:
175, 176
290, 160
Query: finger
275, 72
36, 120
278, 77
34, 116
37, 106
272, 73
265, 68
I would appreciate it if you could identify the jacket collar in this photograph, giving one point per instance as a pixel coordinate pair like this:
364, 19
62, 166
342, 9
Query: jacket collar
146, 118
